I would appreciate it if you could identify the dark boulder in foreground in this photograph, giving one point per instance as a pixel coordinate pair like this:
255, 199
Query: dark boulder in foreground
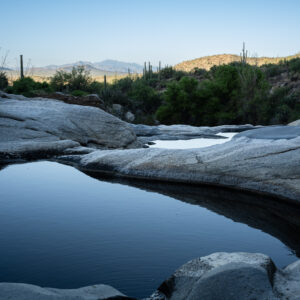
231, 276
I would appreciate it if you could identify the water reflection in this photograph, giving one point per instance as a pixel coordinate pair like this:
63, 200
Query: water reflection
280, 218
131, 234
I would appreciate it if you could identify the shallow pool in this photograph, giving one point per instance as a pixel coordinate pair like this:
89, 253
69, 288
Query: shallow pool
62, 228
193, 143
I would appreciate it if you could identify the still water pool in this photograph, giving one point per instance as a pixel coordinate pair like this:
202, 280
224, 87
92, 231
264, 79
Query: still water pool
62, 228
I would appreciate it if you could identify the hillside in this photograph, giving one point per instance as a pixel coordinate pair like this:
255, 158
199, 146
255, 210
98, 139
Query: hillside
206, 62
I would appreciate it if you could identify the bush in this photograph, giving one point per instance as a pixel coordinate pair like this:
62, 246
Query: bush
200, 72
272, 70
25, 86
3, 80
179, 100
28, 87
79, 93
294, 65
144, 97
60, 80
78, 79
280, 107
96, 87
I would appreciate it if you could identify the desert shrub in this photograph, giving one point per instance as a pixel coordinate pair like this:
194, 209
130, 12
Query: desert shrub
227, 97
96, 87
25, 86
280, 107
29, 88
294, 65
179, 100
144, 97
167, 73
79, 93
124, 85
272, 70
3, 80
78, 79
199, 72
60, 80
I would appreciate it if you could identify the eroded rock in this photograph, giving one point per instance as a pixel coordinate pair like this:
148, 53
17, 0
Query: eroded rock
261, 165
31, 124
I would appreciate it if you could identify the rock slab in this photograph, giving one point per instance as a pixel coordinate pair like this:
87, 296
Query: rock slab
39, 122
231, 276
248, 162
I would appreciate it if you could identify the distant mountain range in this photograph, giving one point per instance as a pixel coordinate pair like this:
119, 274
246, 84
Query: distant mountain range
5, 69
108, 67
206, 62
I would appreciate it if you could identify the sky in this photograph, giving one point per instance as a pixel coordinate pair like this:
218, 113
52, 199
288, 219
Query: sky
170, 31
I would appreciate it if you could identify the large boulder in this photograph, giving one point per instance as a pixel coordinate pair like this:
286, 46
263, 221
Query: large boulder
231, 276
50, 123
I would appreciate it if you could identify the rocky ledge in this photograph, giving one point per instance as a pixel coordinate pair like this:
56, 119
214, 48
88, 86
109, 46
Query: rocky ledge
231, 276
265, 160
39, 127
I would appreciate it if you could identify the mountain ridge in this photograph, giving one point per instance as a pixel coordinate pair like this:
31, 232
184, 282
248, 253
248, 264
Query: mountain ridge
108, 66
206, 62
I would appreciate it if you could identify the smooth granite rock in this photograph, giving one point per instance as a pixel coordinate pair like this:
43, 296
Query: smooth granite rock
271, 133
269, 166
287, 281
43, 123
147, 133
295, 123
22, 291
231, 276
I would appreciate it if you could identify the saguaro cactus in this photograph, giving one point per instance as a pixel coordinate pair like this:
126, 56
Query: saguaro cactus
244, 54
105, 82
21, 66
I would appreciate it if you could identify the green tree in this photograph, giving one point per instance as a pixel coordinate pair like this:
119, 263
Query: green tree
3, 80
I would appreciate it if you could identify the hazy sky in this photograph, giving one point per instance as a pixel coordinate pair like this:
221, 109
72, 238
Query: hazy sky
64, 31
